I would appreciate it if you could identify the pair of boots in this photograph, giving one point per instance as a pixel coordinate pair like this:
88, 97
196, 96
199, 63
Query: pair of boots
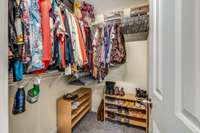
119, 92
141, 93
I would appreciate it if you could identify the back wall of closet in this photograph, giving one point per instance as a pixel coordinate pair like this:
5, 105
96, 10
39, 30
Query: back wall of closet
43, 114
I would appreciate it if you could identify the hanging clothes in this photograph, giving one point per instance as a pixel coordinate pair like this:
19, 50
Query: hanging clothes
54, 23
60, 34
108, 45
51, 23
15, 27
26, 22
18, 22
11, 25
95, 46
35, 38
108, 49
75, 41
81, 42
83, 30
118, 52
62, 50
89, 48
45, 6
68, 43
46, 36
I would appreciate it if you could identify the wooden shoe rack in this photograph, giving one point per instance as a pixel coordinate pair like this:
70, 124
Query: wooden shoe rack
126, 109
67, 117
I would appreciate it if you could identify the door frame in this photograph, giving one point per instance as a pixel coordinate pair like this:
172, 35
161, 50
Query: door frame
4, 118
154, 61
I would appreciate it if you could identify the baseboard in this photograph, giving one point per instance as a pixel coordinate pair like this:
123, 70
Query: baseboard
54, 130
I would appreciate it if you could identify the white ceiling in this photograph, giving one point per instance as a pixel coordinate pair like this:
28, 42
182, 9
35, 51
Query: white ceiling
102, 6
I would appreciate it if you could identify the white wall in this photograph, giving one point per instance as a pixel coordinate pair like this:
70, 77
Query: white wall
136, 64
4, 67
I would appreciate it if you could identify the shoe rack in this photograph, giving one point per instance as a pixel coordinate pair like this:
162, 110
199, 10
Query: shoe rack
67, 115
126, 109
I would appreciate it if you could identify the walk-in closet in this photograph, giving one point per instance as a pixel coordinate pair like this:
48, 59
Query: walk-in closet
78, 66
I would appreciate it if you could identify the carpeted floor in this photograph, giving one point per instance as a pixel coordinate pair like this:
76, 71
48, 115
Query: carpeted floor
89, 124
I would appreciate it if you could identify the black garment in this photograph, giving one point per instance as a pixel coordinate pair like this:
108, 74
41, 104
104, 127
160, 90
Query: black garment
68, 42
11, 25
14, 11
89, 48
55, 58
118, 53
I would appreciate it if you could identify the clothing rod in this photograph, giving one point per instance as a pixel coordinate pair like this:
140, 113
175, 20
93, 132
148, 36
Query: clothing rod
30, 77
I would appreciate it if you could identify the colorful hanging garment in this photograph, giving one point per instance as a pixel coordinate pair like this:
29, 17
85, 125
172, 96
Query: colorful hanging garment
60, 33
83, 30
62, 48
26, 23
95, 45
45, 6
100, 59
81, 43
118, 52
54, 24
75, 41
76, 55
35, 38
52, 20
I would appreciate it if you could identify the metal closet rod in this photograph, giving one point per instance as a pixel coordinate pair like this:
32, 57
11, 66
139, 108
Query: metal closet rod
29, 78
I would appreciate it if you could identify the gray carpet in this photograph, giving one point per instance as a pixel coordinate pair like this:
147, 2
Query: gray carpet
89, 124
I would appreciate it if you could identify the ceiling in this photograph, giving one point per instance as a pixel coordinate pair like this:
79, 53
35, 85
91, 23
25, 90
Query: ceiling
102, 6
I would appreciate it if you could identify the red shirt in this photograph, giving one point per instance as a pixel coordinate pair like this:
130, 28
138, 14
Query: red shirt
45, 6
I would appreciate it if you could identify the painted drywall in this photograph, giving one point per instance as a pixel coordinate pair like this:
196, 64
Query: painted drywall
136, 64
4, 67
41, 116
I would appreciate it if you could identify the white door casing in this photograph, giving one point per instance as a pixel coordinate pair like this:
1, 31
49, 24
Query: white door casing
4, 66
174, 56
